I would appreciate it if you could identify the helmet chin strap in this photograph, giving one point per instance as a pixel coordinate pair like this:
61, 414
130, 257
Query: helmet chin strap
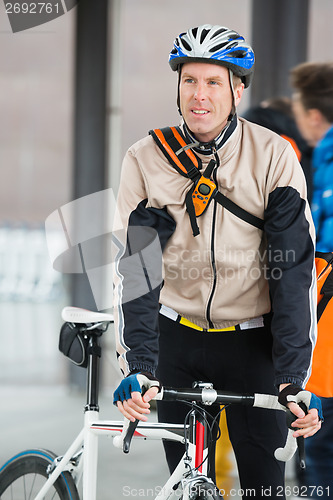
178, 87
233, 107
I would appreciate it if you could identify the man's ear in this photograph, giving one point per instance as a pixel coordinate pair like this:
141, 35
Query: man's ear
238, 92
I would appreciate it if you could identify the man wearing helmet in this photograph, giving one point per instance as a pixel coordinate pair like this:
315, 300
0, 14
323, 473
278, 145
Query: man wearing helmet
213, 320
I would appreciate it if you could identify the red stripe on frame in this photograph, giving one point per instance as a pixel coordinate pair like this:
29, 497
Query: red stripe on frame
199, 444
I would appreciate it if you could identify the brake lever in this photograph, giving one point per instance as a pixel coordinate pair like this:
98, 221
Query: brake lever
290, 418
128, 436
129, 430
301, 452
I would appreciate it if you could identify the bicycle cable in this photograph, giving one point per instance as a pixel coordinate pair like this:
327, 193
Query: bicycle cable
210, 426
213, 440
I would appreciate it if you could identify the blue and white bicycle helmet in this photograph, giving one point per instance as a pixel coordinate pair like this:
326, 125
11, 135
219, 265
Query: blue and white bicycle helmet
217, 45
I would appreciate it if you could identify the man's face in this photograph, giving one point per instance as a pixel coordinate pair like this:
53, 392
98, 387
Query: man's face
206, 99
304, 121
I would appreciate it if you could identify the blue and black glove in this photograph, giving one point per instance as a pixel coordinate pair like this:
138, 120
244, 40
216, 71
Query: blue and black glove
135, 382
294, 394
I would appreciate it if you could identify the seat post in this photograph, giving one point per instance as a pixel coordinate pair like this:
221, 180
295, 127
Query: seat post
94, 353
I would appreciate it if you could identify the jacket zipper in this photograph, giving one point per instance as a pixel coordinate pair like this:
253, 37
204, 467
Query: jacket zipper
212, 249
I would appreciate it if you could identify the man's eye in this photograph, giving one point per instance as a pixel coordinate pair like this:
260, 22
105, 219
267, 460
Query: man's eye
212, 82
189, 80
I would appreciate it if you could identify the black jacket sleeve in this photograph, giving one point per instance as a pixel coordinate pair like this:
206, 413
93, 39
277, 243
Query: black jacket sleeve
140, 272
291, 280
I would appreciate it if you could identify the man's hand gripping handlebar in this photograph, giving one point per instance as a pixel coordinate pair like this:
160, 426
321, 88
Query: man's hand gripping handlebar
304, 415
133, 394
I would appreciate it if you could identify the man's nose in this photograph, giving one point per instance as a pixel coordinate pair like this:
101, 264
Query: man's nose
199, 93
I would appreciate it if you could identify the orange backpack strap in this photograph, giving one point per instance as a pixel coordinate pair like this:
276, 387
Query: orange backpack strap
294, 145
324, 262
321, 379
176, 149
173, 144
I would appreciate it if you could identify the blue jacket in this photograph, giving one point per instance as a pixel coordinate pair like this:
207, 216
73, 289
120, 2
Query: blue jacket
322, 201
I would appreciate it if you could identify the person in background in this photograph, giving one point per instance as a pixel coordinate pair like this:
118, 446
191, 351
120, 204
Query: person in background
313, 111
276, 114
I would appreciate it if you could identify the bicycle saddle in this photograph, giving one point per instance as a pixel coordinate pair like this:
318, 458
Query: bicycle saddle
78, 315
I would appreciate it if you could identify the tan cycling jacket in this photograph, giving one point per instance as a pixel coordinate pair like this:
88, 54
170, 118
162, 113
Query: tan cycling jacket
231, 272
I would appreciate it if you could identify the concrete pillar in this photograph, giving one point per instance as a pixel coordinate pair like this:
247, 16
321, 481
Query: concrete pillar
89, 172
279, 39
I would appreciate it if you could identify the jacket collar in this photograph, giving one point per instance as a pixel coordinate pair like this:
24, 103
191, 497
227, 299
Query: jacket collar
207, 148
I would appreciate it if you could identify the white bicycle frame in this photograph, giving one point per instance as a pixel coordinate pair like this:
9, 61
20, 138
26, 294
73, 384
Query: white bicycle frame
86, 445
81, 457
88, 439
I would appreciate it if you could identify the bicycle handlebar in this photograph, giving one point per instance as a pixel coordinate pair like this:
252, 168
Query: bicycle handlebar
205, 395
208, 396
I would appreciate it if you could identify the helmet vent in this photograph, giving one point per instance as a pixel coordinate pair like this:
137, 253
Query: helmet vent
235, 37
218, 47
219, 32
237, 53
194, 32
186, 45
203, 35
